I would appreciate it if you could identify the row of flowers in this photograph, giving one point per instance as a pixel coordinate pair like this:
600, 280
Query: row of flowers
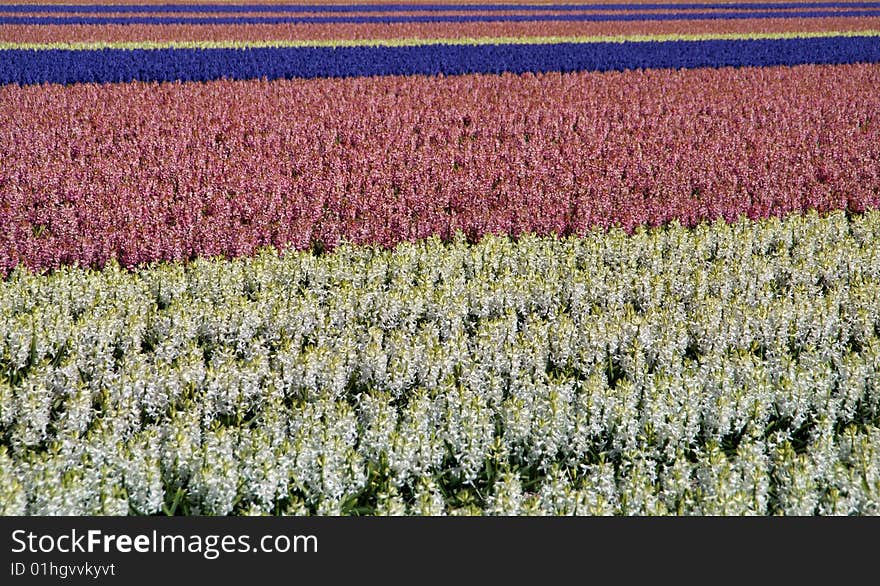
145, 172
729, 368
23, 66
433, 7
435, 16
331, 32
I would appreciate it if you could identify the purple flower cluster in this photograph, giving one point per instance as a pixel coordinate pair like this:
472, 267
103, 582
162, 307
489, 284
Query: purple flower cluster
24, 66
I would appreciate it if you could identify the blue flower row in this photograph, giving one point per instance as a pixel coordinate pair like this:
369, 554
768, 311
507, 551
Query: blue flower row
122, 65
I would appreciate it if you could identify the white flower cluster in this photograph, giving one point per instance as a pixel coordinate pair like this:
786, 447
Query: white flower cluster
727, 369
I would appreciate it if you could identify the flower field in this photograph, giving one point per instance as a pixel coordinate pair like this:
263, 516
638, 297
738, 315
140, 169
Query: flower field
440, 258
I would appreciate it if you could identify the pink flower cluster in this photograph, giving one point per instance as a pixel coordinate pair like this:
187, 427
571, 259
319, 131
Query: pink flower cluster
143, 172
266, 32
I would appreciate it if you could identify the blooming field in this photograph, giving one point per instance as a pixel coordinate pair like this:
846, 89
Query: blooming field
380, 160
725, 369
503, 258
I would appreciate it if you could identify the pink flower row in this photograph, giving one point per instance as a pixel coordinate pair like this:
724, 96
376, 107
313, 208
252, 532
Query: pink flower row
265, 32
143, 172
413, 2
413, 11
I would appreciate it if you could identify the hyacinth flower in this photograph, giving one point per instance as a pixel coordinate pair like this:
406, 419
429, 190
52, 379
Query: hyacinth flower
725, 369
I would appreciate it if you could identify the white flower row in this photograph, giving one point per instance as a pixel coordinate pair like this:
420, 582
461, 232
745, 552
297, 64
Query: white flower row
731, 368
